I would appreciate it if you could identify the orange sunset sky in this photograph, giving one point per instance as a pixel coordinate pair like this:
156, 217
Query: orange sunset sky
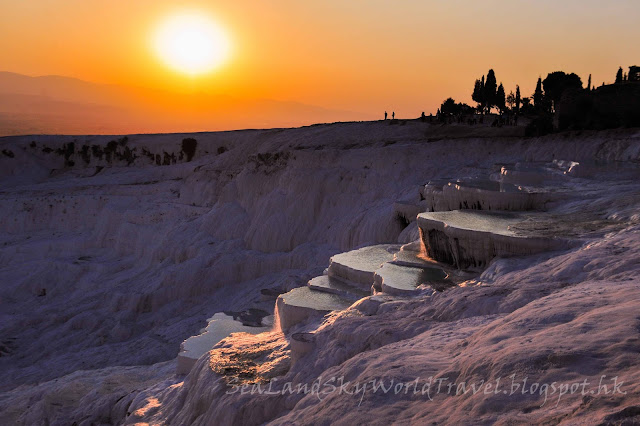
361, 56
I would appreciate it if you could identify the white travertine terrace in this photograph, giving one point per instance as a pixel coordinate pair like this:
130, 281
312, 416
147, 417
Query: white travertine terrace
303, 303
471, 239
336, 286
359, 266
400, 280
484, 194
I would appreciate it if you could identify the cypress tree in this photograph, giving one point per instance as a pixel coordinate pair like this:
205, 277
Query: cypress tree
500, 98
478, 94
518, 100
537, 95
490, 89
511, 101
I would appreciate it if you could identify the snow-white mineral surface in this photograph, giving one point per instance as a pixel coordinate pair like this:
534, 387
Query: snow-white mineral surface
116, 250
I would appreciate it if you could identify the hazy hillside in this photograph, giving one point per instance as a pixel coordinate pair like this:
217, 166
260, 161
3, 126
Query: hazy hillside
56, 105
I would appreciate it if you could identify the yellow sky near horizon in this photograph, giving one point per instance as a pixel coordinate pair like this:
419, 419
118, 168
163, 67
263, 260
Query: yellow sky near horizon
360, 55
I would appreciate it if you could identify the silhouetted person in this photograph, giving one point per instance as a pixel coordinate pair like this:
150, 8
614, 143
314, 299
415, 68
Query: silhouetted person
385, 115
393, 115
422, 117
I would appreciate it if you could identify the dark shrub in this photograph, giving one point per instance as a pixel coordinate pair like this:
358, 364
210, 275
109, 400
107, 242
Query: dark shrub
189, 147
112, 146
84, 153
68, 150
149, 154
166, 159
128, 155
97, 152
110, 150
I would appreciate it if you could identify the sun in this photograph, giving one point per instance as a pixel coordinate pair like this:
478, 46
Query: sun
191, 43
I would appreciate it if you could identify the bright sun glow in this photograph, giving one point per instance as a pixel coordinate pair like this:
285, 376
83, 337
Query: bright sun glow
191, 43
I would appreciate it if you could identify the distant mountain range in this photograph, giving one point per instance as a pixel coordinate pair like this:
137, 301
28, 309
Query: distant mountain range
63, 105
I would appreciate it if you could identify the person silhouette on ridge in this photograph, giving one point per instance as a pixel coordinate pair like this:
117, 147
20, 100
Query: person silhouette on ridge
385, 115
393, 115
